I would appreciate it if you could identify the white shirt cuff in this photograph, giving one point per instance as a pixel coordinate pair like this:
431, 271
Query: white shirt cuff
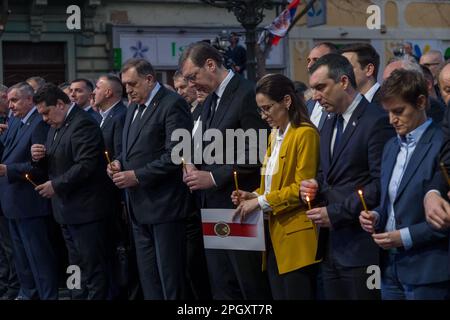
263, 204
433, 190
214, 181
405, 235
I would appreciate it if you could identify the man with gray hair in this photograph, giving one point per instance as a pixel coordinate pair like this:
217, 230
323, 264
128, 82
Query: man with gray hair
156, 196
9, 284
27, 213
404, 62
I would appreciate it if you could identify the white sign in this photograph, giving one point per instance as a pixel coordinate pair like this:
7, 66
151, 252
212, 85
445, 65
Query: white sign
221, 232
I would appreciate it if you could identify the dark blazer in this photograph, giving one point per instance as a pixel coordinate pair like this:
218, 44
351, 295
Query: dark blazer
354, 165
310, 106
77, 168
427, 261
236, 110
377, 97
436, 110
94, 114
197, 112
161, 195
18, 198
112, 129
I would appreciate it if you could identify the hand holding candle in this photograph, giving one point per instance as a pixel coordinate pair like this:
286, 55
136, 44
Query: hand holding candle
184, 165
27, 176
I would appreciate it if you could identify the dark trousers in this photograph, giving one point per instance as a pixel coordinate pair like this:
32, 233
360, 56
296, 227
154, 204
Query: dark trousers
196, 261
161, 259
35, 259
86, 246
298, 284
9, 283
237, 275
345, 283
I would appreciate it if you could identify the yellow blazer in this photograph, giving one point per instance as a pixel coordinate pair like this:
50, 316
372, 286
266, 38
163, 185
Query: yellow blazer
293, 235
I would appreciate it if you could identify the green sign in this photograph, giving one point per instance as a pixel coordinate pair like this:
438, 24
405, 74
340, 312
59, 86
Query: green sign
117, 58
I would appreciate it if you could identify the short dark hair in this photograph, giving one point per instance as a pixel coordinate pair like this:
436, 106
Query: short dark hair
87, 83
115, 83
366, 54
338, 66
331, 46
50, 93
199, 52
142, 67
276, 87
407, 85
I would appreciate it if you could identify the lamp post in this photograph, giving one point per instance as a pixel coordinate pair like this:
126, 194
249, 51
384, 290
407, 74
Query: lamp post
250, 14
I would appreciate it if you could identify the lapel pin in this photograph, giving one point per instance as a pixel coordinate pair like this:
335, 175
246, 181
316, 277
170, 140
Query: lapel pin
354, 123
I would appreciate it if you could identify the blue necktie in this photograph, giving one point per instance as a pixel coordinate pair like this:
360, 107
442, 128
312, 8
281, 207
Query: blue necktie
339, 131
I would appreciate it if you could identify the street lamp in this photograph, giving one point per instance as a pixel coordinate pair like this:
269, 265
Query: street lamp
250, 14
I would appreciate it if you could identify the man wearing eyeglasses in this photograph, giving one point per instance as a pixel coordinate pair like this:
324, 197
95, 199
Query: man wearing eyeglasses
230, 105
434, 61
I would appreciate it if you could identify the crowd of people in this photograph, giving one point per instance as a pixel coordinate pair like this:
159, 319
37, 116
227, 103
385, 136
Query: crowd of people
354, 176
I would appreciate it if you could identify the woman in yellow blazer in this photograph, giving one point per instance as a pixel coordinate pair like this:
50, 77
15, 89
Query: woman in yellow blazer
292, 156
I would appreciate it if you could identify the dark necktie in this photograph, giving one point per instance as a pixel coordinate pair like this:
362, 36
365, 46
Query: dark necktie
134, 127
339, 131
212, 110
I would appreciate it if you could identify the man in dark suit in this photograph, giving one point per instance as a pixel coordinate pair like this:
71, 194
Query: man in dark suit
366, 62
316, 112
78, 186
108, 100
157, 198
81, 93
231, 104
350, 153
27, 213
9, 284
196, 261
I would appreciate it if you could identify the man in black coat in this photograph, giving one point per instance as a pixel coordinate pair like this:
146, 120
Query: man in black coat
156, 196
77, 186
231, 104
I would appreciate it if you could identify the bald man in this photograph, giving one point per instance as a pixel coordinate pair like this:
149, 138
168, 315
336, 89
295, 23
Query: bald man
433, 60
444, 83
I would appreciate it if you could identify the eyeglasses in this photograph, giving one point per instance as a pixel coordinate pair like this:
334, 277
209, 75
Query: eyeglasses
265, 109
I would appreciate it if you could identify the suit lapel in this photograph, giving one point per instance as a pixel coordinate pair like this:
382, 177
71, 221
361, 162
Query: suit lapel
276, 179
54, 143
148, 114
225, 101
420, 152
20, 133
349, 129
326, 136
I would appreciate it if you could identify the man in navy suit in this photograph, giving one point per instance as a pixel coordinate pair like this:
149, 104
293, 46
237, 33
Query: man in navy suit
81, 93
414, 262
351, 143
108, 99
28, 214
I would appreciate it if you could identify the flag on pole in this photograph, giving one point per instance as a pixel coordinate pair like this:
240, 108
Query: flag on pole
279, 27
221, 232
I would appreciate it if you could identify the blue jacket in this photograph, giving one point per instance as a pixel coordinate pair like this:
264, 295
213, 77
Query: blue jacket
427, 260
18, 197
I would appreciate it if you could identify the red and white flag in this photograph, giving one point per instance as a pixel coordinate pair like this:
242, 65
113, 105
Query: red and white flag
279, 27
221, 232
